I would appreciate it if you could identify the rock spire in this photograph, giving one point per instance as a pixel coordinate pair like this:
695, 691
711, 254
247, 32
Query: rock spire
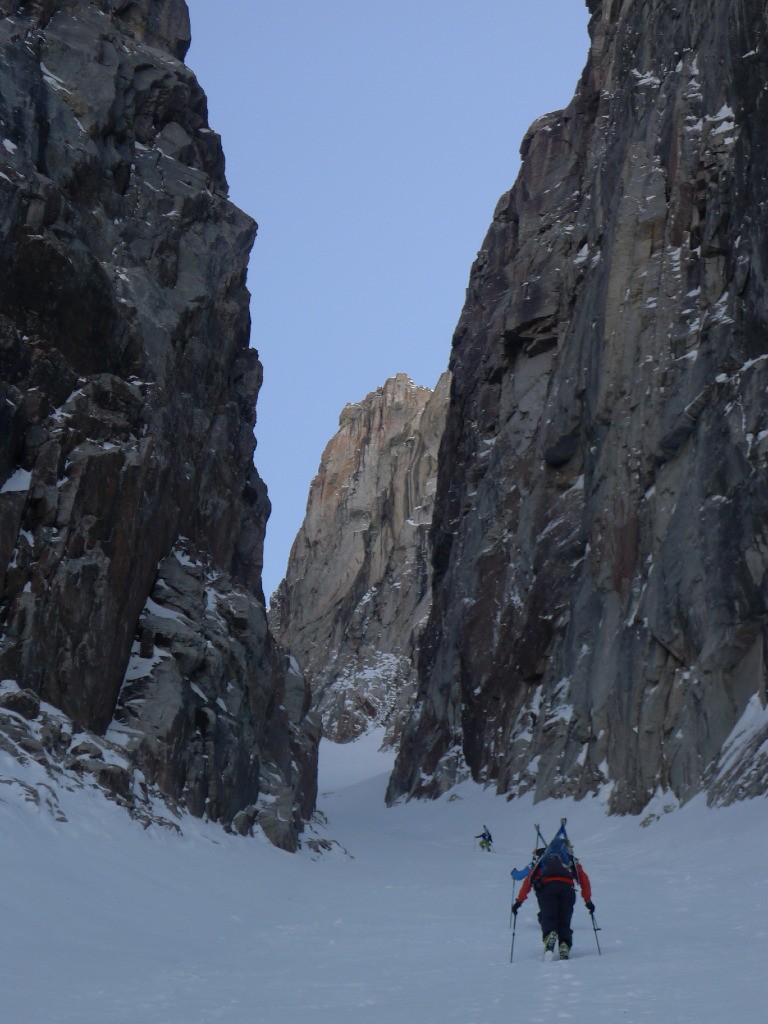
357, 588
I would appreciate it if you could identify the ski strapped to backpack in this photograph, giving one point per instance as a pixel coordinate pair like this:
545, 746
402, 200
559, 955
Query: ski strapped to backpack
521, 873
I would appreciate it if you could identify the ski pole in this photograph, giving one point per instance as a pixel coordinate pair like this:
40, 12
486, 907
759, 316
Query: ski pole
514, 929
514, 886
596, 930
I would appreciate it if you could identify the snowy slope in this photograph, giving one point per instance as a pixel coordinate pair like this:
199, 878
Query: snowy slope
103, 922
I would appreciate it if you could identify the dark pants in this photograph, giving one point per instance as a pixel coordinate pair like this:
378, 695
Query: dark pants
556, 903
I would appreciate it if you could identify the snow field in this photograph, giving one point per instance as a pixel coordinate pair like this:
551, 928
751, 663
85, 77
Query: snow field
103, 922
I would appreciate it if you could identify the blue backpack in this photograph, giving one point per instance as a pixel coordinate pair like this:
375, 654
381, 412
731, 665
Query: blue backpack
557, 859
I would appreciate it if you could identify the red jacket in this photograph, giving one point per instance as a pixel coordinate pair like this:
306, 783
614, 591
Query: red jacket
583, 879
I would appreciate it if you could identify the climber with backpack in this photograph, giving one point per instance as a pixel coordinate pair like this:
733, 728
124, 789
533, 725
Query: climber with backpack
486, 839
553, 877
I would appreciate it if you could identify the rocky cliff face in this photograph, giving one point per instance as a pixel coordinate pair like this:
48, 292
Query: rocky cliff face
357, 588
600, 541
131, 515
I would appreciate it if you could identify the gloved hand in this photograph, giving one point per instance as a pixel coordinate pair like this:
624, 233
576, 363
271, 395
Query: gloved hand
590, 906
515, 907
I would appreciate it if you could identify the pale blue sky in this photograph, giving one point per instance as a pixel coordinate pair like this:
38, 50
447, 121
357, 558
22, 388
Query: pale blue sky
371, 142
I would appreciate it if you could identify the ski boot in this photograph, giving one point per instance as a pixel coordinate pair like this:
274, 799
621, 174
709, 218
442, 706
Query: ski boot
549, 946
565, 951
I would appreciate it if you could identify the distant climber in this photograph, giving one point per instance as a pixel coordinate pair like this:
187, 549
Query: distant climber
486, 839
553, 877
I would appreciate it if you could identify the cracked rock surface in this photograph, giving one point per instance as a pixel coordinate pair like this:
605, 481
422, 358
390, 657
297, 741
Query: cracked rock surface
357, 589
600, 544
127, 409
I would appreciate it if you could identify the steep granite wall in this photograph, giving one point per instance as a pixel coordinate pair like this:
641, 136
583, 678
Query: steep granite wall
131, 515
357, 588
600, 532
